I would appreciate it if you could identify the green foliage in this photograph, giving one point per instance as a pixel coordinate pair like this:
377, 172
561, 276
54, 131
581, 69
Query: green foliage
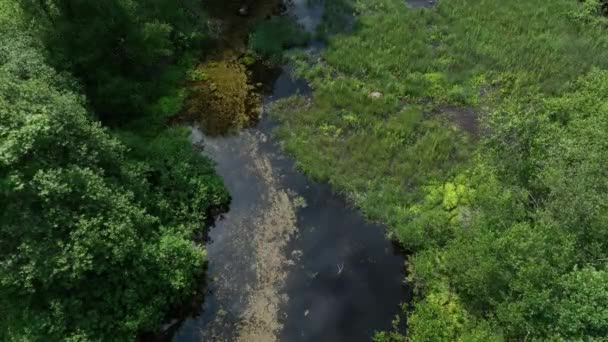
272, 36
582, 307
511, 268
116, 47
389, 336
441, 317
508, 229
96, 240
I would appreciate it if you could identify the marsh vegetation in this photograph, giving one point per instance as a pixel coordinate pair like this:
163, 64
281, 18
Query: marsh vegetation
474, 130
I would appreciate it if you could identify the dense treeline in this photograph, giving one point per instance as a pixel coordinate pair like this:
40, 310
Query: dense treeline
507, 222
117, 48
96, 225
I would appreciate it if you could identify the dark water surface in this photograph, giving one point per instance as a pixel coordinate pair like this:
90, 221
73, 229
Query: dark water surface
291, 260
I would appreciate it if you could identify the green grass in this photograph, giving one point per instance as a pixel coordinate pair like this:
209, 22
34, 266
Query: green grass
480, 213
377, 160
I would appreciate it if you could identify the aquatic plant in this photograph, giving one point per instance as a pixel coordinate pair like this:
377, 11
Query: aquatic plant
224, 100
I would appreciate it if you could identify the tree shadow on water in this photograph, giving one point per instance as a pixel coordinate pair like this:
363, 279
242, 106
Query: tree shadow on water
338, 18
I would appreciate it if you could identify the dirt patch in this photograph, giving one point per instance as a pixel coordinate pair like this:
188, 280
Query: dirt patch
466, 118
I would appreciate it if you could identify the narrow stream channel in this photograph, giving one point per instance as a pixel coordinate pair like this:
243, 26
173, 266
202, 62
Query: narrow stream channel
291, 260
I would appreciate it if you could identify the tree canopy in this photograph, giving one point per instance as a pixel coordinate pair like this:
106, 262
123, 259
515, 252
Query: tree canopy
97, 227
118, 48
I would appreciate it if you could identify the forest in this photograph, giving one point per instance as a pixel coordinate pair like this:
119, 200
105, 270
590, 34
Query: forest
100, 201
474, 131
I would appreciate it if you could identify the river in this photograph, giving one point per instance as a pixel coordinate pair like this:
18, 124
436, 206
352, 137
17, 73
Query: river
291, 260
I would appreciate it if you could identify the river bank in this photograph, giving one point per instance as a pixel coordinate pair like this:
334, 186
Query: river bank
291, 260
473, 130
